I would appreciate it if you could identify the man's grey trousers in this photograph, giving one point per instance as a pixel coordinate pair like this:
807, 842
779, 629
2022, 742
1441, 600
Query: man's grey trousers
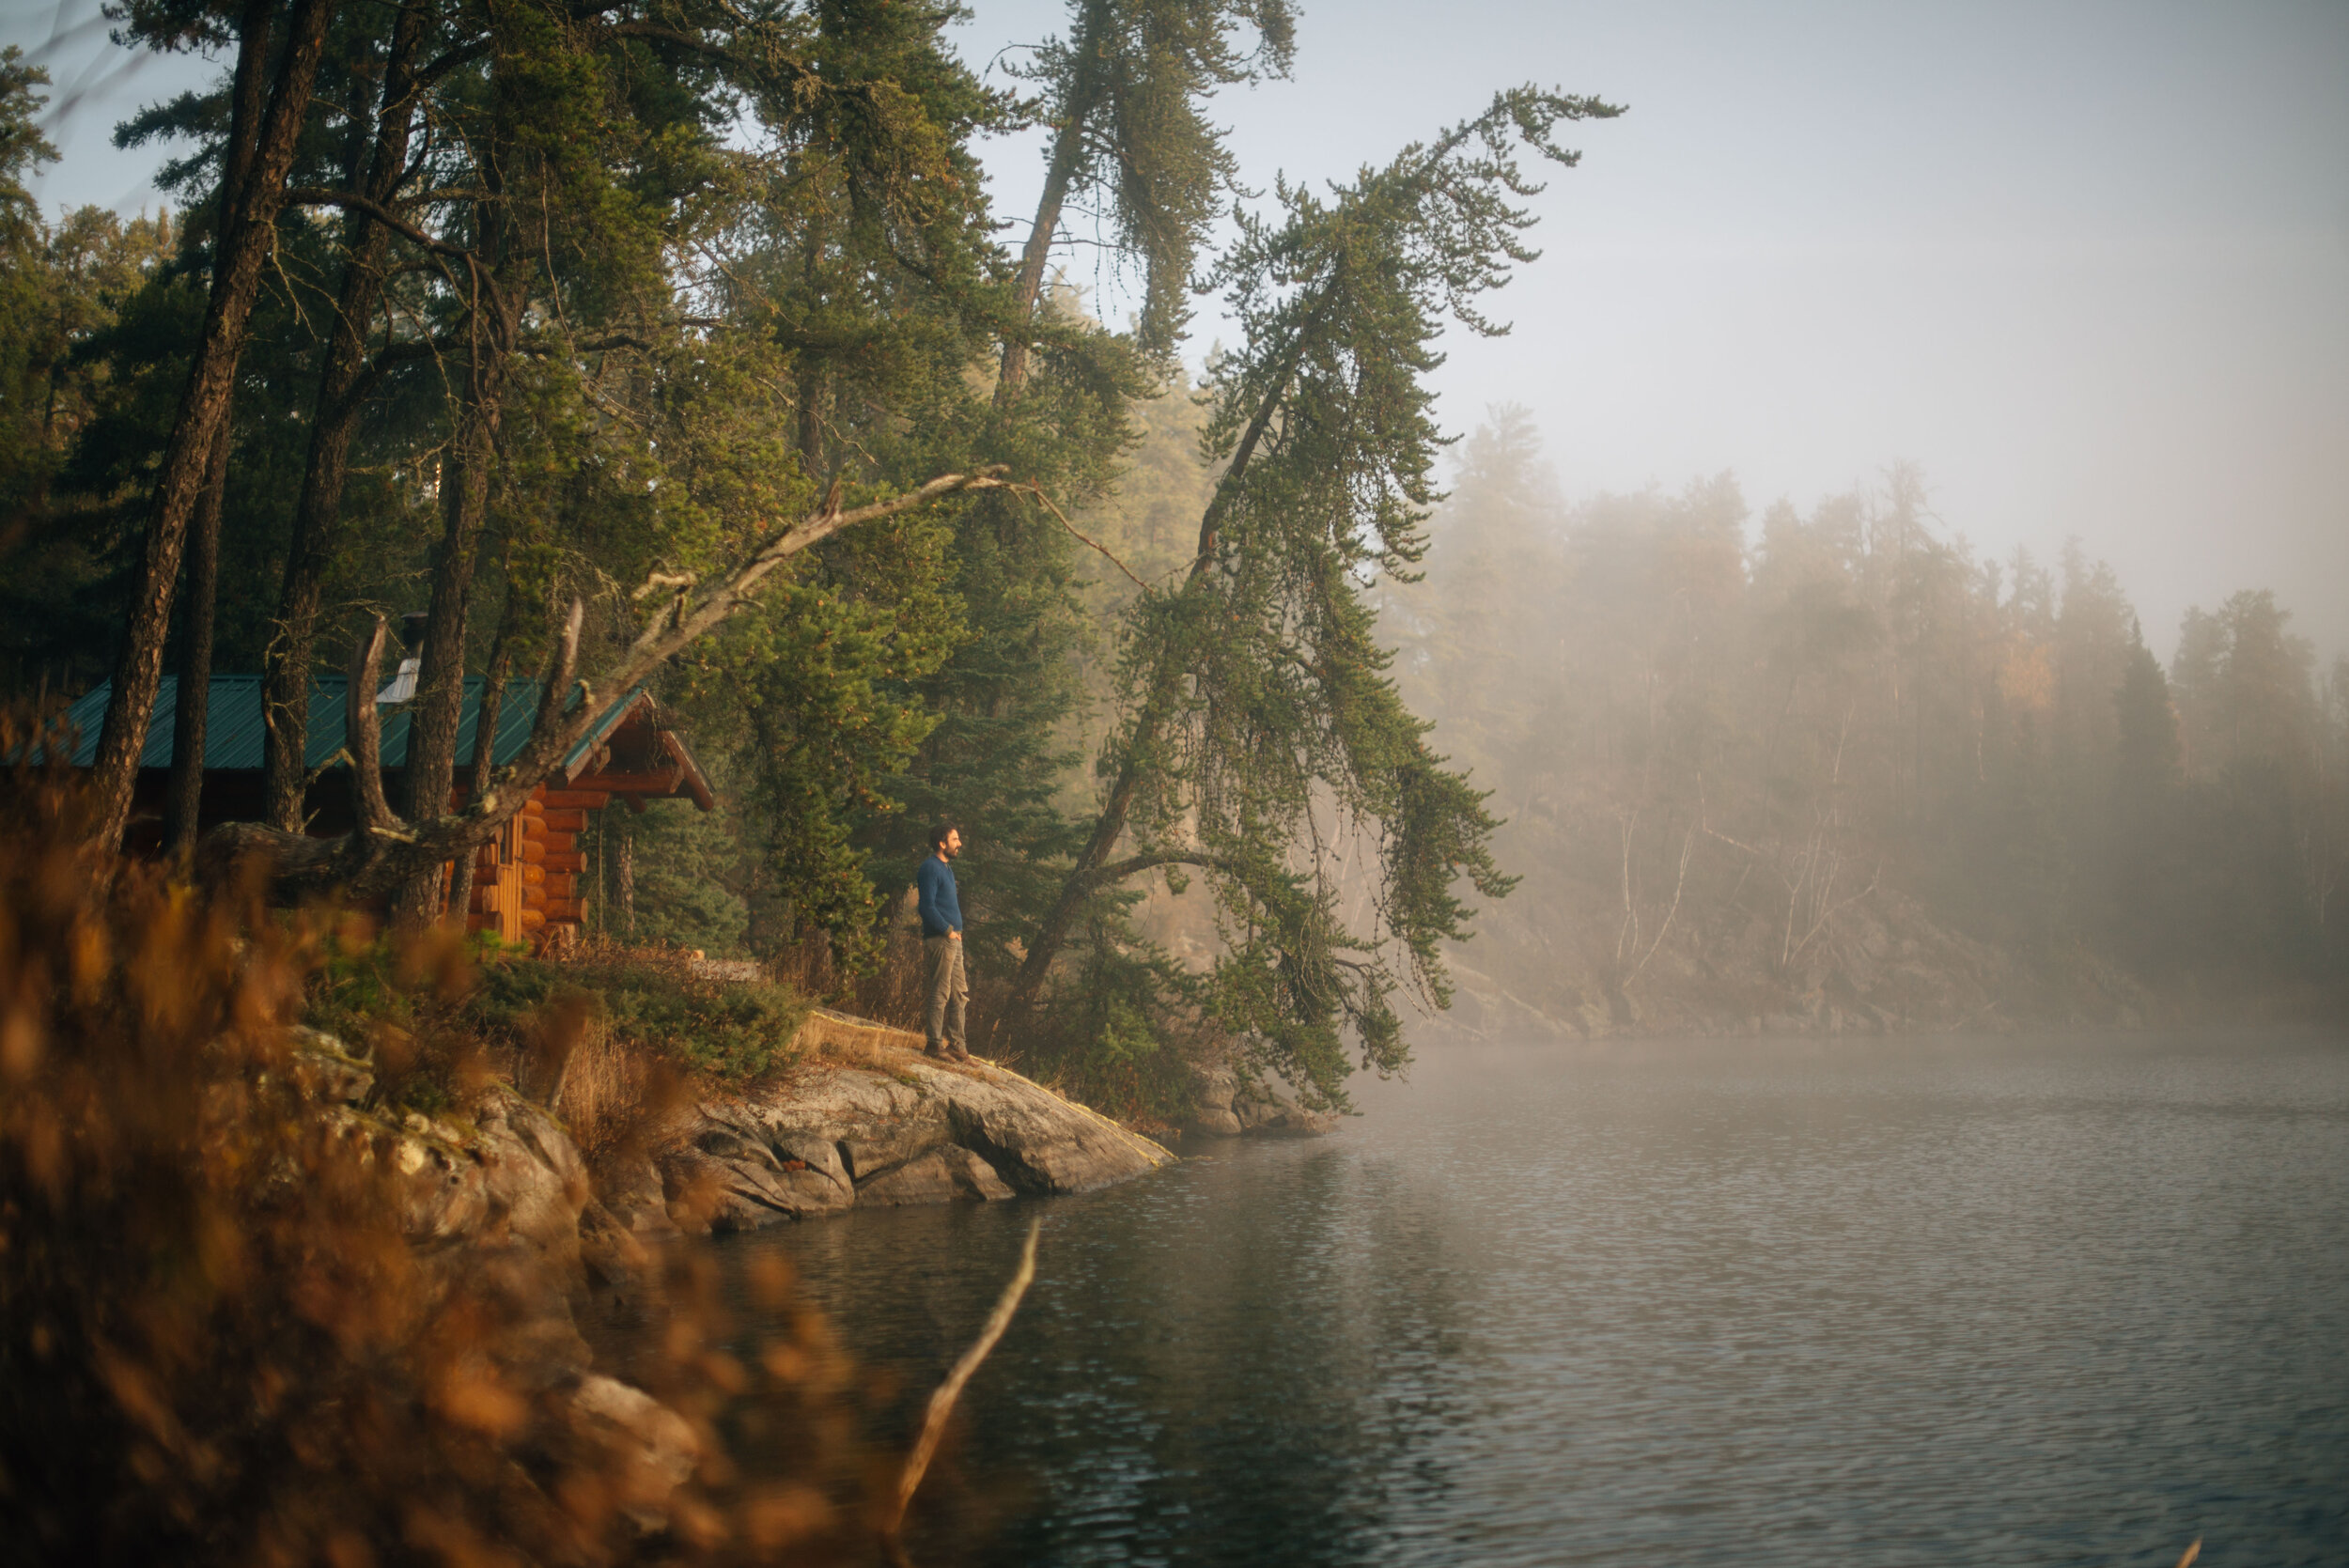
950, 993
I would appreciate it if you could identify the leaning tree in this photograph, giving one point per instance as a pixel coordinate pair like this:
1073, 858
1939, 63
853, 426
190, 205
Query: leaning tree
1264, 748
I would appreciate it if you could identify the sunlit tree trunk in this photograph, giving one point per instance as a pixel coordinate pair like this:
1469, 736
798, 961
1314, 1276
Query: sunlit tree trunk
247, 229
485, 731
185, 795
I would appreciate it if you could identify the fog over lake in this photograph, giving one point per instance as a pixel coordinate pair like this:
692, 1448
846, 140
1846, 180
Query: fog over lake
2031, 1301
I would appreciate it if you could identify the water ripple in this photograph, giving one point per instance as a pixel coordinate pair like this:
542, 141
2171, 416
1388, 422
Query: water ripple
2041, 1302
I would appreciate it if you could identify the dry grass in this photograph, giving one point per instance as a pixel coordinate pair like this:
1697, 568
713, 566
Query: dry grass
219, 1344
605, 1091
894, 992
844, 1040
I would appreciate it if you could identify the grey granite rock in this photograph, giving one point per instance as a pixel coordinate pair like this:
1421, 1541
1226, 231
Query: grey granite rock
1229, 1108
656, 1446
1267, 1113
1215, 1121
327, 1070
731, 1176
899, 1128
944, 1174
494, 1198
613, 1255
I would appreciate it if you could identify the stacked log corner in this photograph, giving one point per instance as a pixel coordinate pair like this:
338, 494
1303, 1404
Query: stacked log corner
547, 857
561, 817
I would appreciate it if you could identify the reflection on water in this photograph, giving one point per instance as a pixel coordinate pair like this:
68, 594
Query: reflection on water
1981, 1302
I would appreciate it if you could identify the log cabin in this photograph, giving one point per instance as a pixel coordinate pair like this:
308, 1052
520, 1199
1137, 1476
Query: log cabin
528, 883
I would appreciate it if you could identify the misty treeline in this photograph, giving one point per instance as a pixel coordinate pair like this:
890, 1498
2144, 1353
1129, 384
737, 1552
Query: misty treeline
677, 342
1741, 759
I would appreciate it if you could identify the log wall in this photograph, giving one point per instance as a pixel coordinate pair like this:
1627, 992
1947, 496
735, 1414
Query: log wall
548, 858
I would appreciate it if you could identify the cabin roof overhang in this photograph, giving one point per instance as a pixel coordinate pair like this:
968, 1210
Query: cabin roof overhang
631, 750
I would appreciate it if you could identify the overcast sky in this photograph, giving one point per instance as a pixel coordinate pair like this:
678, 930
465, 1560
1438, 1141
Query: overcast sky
2087, 263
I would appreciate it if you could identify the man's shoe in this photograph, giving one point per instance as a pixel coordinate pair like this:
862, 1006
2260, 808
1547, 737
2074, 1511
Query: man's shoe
937, 1053
960, 1054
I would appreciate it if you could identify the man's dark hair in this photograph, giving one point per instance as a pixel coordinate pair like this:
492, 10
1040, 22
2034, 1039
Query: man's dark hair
938, 834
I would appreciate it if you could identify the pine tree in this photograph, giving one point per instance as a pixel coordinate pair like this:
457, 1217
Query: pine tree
1262, 732
1125, 94
277, 65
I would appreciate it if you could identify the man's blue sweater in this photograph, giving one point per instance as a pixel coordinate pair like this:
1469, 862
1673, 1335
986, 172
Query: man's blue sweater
941, 911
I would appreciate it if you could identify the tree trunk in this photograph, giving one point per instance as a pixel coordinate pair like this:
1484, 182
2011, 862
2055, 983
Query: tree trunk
1068, 151
627, 871
286, 698
810, 380
484, 732
1014, 374
186, 792
1136, 755
250, 214
465, 475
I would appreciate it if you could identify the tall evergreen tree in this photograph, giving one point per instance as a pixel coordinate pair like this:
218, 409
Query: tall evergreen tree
376, 166
1125, 94
278, 52
1262, 732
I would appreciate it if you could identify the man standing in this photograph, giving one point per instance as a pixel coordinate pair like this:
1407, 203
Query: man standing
942, 943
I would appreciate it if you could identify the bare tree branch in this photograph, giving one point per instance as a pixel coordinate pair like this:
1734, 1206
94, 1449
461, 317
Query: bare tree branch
364, 865
363, 729
320, 195
1094, 543
1117, 871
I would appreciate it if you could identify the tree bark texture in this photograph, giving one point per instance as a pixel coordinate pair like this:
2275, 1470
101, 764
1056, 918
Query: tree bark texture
465, 475
485, 731
249, 225
199, 603
310, 550
627, 871
197, 609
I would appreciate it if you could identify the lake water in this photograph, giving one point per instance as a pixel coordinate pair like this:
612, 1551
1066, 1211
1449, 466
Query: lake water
2000, 1302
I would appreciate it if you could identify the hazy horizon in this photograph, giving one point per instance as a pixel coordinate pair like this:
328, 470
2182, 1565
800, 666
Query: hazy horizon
2088, 268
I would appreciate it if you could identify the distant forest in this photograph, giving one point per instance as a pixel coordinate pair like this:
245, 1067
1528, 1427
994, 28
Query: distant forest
1837, 766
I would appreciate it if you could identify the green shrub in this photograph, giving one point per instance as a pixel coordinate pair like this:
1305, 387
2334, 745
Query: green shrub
731, 1031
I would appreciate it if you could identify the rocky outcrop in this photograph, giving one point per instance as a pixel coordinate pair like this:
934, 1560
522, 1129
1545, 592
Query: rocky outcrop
494, 1193
658, 1444
893, 1127
1232, 1106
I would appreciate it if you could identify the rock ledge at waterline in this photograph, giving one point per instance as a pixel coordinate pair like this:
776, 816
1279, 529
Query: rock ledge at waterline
886, 1126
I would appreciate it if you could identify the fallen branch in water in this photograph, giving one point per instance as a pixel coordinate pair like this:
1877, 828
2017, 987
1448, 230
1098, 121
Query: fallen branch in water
942, 1402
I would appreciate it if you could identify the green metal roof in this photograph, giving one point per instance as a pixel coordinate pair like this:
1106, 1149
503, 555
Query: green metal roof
234, 732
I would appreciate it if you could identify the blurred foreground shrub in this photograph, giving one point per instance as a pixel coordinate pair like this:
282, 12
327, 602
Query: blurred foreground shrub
221, 1341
